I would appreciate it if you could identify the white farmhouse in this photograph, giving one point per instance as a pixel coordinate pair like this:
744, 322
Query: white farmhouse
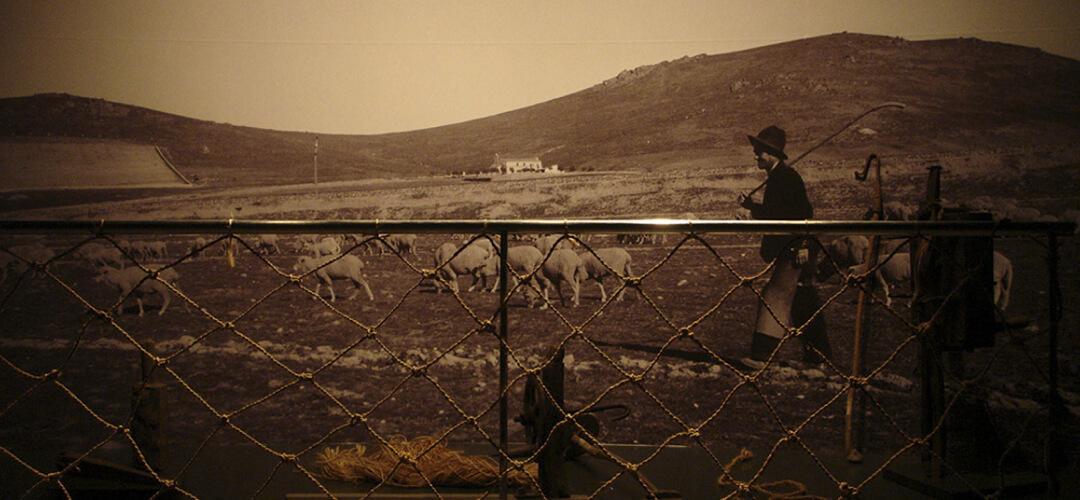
511, 165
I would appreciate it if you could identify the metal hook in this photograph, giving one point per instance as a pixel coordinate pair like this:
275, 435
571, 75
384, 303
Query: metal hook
861, 176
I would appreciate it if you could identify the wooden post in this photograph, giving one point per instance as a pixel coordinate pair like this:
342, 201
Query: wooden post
855, 417
552, 458
148, 411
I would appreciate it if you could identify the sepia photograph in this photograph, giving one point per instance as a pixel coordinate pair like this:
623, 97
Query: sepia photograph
610, 249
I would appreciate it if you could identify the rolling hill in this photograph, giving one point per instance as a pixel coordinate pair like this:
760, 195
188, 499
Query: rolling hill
961, 95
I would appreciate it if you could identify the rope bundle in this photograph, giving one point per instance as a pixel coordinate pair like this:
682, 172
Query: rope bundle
439, 465
786, 489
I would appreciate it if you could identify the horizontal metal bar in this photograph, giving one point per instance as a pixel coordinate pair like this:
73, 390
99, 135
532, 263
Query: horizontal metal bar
810, 227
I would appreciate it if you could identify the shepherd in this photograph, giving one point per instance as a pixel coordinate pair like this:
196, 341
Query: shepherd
789, 298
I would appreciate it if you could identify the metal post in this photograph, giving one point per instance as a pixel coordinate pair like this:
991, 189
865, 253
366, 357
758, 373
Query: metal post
1055, 457
504, 304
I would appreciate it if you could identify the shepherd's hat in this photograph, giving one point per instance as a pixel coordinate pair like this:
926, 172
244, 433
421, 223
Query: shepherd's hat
771, 140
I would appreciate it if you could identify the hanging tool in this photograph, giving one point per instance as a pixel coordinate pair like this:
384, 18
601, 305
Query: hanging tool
855, 397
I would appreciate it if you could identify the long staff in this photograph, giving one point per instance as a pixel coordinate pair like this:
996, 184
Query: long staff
826, 140
853, 443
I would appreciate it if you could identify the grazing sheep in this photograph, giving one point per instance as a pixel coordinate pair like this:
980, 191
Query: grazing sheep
641, 239
267, 243
348, 267
157, 249
325, 246
892, 210
898, 269
842, 253
134, 282
197, 246
403, 244
469, 261
486, 244
136, 249
99, 255
19, 255
893, 271
602, 264
564, 266
364, 242
545, 243
301, 242
490, 270
524, 260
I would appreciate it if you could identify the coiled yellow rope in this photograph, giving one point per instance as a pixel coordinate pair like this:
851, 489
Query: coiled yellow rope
440, 465
786, 489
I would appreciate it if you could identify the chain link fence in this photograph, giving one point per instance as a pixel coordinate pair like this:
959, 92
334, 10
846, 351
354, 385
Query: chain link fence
173, 358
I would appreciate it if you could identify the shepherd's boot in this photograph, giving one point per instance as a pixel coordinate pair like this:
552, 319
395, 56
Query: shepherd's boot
761, 347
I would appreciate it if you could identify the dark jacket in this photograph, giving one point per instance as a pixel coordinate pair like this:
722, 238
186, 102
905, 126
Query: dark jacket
784, 199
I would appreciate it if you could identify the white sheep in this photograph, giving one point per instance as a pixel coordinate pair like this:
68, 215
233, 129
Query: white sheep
325, 246
545, 243
524, 260
893, 271
403, 244
842, 253
267, 243
348, 267
364, 242
100, 255
489, 271
450, 263
564, 266
136, 249
157, 249
603, 263
484, 243
898, 269
892, 210
197, 246
134, 282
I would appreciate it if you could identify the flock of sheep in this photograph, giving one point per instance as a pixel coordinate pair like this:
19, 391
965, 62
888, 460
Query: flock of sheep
549, 261
893, 266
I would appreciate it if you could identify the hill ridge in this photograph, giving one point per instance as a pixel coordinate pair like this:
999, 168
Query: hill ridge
962, 94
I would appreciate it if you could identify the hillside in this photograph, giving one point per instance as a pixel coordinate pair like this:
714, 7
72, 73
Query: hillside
962, 95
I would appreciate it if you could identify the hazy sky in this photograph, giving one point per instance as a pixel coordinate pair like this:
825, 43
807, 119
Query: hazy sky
381, 66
